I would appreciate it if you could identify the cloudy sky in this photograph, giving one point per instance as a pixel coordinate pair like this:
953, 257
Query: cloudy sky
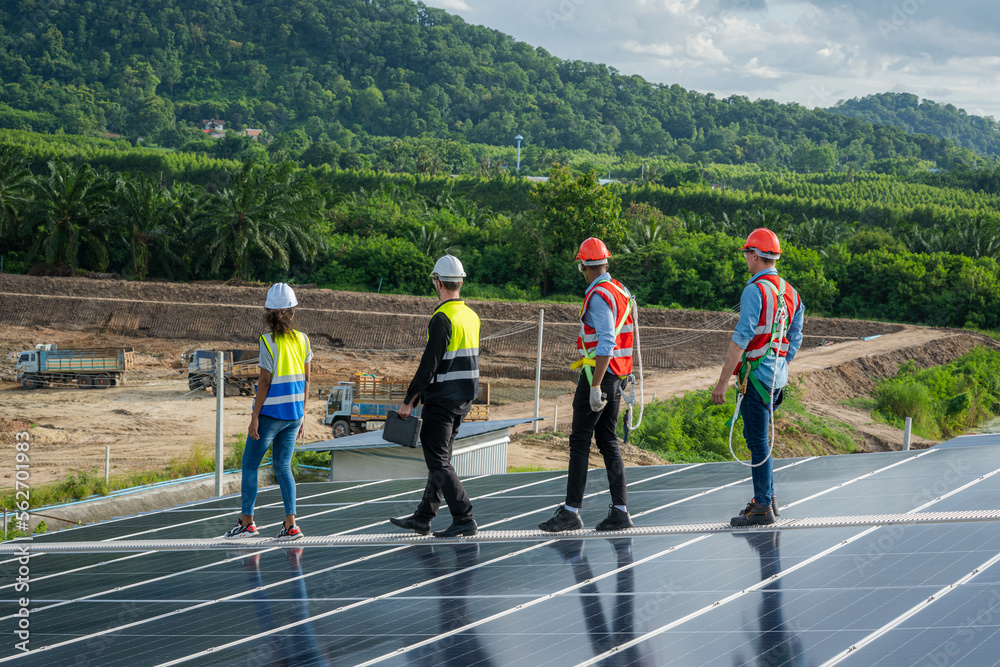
814, 53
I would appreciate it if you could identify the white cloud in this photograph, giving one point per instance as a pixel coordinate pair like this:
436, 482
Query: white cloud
812, 52
451, 5
663, 50
754, 68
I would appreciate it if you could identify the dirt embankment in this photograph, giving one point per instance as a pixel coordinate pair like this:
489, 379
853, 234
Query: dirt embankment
368, 324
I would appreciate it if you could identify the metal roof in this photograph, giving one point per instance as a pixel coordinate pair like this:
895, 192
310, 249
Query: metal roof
373, 439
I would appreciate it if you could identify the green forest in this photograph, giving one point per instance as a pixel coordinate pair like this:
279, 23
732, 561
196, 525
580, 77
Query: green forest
351, 75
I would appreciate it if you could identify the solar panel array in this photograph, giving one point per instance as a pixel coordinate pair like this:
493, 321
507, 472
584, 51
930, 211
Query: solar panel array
903, 594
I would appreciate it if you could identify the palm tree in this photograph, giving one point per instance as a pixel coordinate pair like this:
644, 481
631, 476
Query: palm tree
976, 236
15, 189
642, 233
148, 217
69, 203
432, 243
265, 209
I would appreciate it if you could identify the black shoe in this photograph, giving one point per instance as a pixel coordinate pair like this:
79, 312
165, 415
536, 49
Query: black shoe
412, 523
616, 520
467, 529
774, 506
562, 520
756, 515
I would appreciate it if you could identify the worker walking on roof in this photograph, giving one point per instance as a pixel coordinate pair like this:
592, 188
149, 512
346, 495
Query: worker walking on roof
447, 381
767, 336
278, 411
605, 349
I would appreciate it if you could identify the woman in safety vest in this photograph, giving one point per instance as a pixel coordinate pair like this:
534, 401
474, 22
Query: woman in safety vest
278, 411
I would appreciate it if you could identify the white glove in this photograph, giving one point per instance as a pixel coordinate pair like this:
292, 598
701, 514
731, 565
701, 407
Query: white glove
597, 401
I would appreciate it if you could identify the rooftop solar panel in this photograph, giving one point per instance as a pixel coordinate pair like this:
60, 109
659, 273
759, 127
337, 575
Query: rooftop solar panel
767, 597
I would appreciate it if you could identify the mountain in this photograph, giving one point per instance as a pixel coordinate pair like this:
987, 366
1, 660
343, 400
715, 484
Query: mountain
908, 112
344, 70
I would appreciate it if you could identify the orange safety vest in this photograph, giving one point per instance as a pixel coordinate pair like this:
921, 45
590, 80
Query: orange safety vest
620, 301
765, 339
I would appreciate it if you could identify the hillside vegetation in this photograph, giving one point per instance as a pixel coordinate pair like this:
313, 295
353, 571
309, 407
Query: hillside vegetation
347, 72
908, 112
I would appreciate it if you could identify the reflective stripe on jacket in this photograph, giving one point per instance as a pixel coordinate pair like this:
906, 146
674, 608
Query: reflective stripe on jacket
619, 299
286, 395
457, 376
764, 341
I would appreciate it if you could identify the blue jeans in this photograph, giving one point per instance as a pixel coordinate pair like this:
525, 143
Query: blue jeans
756, 429
279, 435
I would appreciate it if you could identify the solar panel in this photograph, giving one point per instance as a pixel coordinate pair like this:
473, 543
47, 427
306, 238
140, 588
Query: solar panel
840, 594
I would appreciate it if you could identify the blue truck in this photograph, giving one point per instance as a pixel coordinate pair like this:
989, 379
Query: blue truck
47, 366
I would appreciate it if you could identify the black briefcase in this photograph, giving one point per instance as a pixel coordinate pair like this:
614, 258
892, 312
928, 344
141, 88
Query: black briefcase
401, 431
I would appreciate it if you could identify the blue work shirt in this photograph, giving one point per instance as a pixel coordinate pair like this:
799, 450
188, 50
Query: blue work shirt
751, 304
601, 318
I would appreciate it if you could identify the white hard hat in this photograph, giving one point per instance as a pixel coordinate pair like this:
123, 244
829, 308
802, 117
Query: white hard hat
448, 269
280, 296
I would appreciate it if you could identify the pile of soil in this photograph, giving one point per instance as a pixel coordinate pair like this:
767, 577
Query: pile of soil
8, 425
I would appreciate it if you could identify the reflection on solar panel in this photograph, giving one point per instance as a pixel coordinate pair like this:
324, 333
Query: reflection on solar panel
910, 594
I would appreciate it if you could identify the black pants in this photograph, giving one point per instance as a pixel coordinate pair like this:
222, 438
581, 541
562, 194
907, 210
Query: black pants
601, 425
437, 437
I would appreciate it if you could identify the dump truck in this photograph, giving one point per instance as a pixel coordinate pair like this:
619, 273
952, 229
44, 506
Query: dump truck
361, 404
239, 368
47, 365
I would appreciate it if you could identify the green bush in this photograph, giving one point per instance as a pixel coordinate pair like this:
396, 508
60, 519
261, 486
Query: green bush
688, 429
944, 400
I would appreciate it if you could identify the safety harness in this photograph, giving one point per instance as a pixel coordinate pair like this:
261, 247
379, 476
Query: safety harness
746, 376
588, 361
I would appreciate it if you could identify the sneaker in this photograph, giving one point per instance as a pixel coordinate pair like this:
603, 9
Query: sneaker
756, 515
289, 534
616, 520
562, 520
774, 506
239, 531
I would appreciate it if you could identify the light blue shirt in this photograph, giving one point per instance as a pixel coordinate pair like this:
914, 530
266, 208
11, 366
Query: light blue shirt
751, 303
601, 318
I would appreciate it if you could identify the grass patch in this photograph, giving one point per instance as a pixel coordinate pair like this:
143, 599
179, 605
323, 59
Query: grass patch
83, 484
692, 429
945, 400
528, 469
860, 403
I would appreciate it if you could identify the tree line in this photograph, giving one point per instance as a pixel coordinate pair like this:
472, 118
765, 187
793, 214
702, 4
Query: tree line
333, 75
266, 221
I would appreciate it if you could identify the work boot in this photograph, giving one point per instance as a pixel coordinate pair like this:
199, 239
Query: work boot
412, 523
465, 529
774, 506
756, 515
561, 521
616, 520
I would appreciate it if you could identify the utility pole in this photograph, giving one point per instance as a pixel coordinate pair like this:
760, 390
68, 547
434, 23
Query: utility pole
220, 395
538, 367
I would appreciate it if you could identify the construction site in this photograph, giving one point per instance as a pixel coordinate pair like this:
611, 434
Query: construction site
155, 417
121, 372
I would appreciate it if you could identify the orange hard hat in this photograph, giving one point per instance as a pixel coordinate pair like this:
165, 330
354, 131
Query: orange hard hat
593, 252
764, 242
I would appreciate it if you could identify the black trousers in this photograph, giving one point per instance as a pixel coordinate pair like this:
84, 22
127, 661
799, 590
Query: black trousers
437, 437
600, 426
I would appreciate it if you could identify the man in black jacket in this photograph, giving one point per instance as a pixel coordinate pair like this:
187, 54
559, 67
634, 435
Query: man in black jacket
448, 381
